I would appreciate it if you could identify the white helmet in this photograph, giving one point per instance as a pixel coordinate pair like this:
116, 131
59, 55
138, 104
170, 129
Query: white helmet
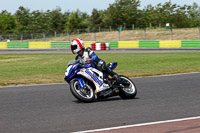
77, 45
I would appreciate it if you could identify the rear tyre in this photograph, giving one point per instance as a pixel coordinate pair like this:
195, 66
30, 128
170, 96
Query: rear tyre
128, 90
85, 94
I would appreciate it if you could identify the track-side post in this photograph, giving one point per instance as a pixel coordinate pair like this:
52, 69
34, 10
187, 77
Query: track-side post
199, 33
119, 35
171, 32
44, 36
94, 35
144, 33
68, 34
21, 36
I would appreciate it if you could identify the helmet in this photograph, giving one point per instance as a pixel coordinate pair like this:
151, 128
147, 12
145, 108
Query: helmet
77, 45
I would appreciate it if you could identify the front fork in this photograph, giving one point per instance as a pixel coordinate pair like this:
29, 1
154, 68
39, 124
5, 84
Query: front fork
81, 82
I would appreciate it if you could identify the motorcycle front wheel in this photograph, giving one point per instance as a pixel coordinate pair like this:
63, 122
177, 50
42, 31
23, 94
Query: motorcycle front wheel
85, 94
128, 89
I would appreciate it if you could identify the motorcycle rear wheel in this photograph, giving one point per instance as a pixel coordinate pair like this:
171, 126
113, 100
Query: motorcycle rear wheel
127, 92
85, 94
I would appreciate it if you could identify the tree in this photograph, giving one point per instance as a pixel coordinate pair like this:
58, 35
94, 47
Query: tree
169, 13
122, 12
23, 19
77, 20
57, 20
180, 18
7, 22
37, 21
95, 20
144, 19
73, 22
194, 15
84, 20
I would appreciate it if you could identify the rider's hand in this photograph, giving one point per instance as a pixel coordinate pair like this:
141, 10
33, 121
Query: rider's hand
88, 61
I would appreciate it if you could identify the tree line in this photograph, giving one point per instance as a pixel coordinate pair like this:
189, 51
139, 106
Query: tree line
122, 13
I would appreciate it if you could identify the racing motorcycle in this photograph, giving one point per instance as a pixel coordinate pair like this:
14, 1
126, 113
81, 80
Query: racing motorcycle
88, 84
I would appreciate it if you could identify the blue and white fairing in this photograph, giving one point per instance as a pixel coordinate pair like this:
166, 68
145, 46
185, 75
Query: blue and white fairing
96, 77
73, 68
87, 71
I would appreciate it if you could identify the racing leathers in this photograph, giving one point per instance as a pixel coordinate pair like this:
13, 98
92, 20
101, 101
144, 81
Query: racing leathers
90, 56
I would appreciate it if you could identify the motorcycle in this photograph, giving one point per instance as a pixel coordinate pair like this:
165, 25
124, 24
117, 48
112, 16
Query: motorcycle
88, 84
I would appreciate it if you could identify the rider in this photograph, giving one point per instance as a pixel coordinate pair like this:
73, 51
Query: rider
86, 55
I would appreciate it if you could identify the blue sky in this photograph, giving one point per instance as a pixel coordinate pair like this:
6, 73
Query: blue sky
72, 5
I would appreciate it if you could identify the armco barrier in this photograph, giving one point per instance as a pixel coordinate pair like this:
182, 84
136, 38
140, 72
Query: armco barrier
190, 44
170, 44
60, 44
100, 46
17, 45
87, 43
149, 44
128, 44
3, 45
113, 44
39, 45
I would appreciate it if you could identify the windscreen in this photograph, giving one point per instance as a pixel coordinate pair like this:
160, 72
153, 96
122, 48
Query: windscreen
71, 62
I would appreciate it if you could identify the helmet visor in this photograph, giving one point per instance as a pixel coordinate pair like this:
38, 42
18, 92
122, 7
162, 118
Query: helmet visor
73, 47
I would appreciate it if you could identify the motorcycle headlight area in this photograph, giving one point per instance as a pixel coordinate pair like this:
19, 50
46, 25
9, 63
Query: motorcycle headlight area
68, 70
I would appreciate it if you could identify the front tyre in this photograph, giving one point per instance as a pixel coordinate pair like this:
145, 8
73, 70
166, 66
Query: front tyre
128, 89
85, 94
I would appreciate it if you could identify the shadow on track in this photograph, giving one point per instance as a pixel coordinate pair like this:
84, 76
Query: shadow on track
107, 99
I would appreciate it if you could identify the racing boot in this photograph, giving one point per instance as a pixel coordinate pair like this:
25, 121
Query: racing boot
103, 67
110, 72
114, 75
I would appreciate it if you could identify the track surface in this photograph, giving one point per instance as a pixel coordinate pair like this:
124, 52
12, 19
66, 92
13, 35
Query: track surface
52, 108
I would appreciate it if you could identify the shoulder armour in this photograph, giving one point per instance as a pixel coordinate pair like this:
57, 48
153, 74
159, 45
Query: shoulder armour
88, 49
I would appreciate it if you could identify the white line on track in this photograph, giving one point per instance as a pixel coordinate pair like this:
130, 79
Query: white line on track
138, 125
33, 85
131, 78
167, 75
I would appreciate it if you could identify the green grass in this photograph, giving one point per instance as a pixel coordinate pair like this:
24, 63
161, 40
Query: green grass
18, 69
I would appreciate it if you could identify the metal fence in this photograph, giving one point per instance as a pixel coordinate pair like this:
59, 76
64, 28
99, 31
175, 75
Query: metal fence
109, 35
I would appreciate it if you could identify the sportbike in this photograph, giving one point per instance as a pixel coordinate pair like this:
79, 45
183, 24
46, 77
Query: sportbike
88, 84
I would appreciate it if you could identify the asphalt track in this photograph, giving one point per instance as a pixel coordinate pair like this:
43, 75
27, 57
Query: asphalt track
113, 50
52, 109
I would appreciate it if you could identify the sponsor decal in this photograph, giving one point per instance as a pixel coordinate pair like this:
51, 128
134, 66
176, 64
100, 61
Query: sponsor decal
94, 77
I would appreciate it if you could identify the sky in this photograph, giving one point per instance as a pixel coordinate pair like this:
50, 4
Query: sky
72, 5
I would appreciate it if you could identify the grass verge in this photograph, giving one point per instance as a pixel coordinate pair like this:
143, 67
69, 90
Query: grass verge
21, 69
